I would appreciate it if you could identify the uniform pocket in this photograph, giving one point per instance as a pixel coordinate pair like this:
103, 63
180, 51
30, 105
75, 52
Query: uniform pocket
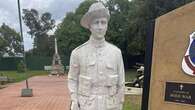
91, 63
84, 85
110, 68
82, 100
112, 80
112, 103
87, 103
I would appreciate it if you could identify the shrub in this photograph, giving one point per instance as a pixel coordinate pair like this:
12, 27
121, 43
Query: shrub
21, 67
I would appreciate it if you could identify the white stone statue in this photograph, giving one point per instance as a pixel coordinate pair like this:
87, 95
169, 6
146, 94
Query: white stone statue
96, 74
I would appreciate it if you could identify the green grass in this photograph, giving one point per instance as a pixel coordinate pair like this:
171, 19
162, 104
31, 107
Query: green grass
130, 75
17, 77
131, 102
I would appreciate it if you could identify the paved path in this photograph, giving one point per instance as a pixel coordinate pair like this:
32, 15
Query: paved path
50, 93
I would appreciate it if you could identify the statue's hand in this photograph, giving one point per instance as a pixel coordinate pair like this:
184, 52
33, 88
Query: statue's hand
120, 94
74, 105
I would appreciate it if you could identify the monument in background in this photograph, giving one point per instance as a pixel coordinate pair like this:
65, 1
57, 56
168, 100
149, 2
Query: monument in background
57, 67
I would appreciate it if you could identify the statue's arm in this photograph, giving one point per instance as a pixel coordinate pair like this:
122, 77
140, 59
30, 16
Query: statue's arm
73, 75
121, 87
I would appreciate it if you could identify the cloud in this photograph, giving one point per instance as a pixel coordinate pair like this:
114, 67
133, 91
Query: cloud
58, 9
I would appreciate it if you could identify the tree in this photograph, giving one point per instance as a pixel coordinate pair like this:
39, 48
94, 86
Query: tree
38, 26
10, 41
144, 11
69, 33
127, 26
118, 28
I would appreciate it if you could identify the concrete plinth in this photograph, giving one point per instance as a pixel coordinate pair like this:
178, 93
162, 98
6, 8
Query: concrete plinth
27, 92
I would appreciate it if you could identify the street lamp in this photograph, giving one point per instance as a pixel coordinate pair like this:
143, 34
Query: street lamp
26, 92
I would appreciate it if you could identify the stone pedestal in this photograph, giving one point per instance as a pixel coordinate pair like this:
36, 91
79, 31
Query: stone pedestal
57, 70
27, 92
170, 87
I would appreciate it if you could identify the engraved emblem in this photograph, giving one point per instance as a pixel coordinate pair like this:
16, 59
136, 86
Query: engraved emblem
188, 62
181, 87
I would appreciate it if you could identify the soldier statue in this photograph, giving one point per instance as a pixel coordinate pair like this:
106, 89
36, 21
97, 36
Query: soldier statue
96, 74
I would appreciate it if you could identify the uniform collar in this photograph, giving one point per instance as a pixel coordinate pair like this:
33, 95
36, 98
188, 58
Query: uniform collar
97, 43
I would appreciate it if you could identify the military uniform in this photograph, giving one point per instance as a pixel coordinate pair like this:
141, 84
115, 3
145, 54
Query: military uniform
96, 77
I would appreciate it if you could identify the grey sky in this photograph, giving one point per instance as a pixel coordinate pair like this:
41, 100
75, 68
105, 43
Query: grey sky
58, 9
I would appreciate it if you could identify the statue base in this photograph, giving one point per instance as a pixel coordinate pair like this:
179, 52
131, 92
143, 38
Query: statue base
57, 70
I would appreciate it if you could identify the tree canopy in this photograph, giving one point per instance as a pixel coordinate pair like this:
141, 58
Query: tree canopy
69, 33
38, 26
10, 41
127, 25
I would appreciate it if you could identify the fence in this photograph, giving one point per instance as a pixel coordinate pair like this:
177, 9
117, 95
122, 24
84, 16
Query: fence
33, 62
38, 62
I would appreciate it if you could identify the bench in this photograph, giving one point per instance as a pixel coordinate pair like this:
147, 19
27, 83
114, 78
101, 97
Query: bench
3, 79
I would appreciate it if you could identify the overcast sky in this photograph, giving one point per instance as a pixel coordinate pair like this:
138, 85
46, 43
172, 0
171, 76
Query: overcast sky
58, 9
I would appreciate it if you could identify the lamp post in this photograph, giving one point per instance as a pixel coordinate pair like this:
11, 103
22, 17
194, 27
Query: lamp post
26, 92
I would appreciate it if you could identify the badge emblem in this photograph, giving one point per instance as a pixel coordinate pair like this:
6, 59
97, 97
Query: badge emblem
188, 62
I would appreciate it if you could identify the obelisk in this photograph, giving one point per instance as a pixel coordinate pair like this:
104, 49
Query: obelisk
57, 67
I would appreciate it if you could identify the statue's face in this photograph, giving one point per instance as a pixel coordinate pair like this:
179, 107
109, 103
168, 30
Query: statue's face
98, 27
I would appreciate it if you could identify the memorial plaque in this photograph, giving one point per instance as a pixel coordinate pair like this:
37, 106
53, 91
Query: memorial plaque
180, 93
172, 44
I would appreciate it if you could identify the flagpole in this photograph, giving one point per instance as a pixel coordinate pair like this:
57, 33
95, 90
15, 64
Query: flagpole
27, 91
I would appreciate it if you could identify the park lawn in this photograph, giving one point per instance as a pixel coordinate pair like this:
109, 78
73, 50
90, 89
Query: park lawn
130, 75
131, 102
17, 77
